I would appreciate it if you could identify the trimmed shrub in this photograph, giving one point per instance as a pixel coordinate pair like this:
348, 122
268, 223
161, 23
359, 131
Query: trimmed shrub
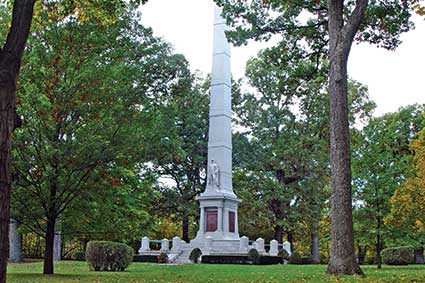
324, 260
253, 255
108, 256
195, 254
306, 260
398, 255
295, 258
225, 259
162, 258
265, 260
80, 256
145, 258
283, 254
240, 259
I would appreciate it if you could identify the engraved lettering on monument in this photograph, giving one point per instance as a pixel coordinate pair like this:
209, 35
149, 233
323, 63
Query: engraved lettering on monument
212, 217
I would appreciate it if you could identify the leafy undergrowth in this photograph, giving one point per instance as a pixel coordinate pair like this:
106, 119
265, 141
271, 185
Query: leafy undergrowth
67, 272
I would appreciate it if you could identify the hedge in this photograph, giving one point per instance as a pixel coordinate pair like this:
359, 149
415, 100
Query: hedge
195, 254
145, 258
398, 255
108, 256
241, 259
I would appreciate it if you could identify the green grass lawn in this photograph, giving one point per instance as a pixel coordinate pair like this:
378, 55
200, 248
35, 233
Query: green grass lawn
67, 272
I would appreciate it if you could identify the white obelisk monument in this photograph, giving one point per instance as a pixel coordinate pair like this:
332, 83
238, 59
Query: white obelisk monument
219, 204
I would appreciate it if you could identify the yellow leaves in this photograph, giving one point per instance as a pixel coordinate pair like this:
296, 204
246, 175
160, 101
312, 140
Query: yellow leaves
419, 9
409, 199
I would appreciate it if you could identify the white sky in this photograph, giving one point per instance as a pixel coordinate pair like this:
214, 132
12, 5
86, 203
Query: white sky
394, 78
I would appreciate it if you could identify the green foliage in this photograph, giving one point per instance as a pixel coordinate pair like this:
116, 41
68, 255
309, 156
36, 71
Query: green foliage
260, 20
381, 162
195, 254
283, 147
283, 254
162, 258
145, 258
398, 255
80, 256
253, 255
241, 259
295, 258
177, 150
108, 256
85, 94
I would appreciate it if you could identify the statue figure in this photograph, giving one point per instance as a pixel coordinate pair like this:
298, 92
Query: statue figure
214, 172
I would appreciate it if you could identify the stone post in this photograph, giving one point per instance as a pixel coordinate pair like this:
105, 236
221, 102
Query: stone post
259, 245
15, 242
274, 248
287, 247
244, 244
176, 244
145, 245
57, 241
165, 246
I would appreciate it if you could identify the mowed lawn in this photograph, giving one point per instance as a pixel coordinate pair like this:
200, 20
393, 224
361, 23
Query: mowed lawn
68, 271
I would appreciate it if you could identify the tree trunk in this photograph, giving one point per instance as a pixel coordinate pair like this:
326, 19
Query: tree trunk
290, 236
378, 250
342, 259
50, 240
10, 61
419, 255
278, 233
185, 228
361, 254
315, 251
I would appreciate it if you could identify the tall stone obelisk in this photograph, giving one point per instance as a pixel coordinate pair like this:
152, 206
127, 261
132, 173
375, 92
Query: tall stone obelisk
219, 203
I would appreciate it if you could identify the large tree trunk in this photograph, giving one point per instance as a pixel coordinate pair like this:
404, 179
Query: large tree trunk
315, 251
49, 246
185, 228
10, 61
278, 233
342, 259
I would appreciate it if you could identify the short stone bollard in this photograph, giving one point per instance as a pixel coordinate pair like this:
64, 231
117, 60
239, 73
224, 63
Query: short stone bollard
287, 247
244, 244
274, 248
259, 245
165, 245
176, 244
145, 245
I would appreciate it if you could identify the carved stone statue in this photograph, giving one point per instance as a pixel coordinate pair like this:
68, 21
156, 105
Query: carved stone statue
214, 172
